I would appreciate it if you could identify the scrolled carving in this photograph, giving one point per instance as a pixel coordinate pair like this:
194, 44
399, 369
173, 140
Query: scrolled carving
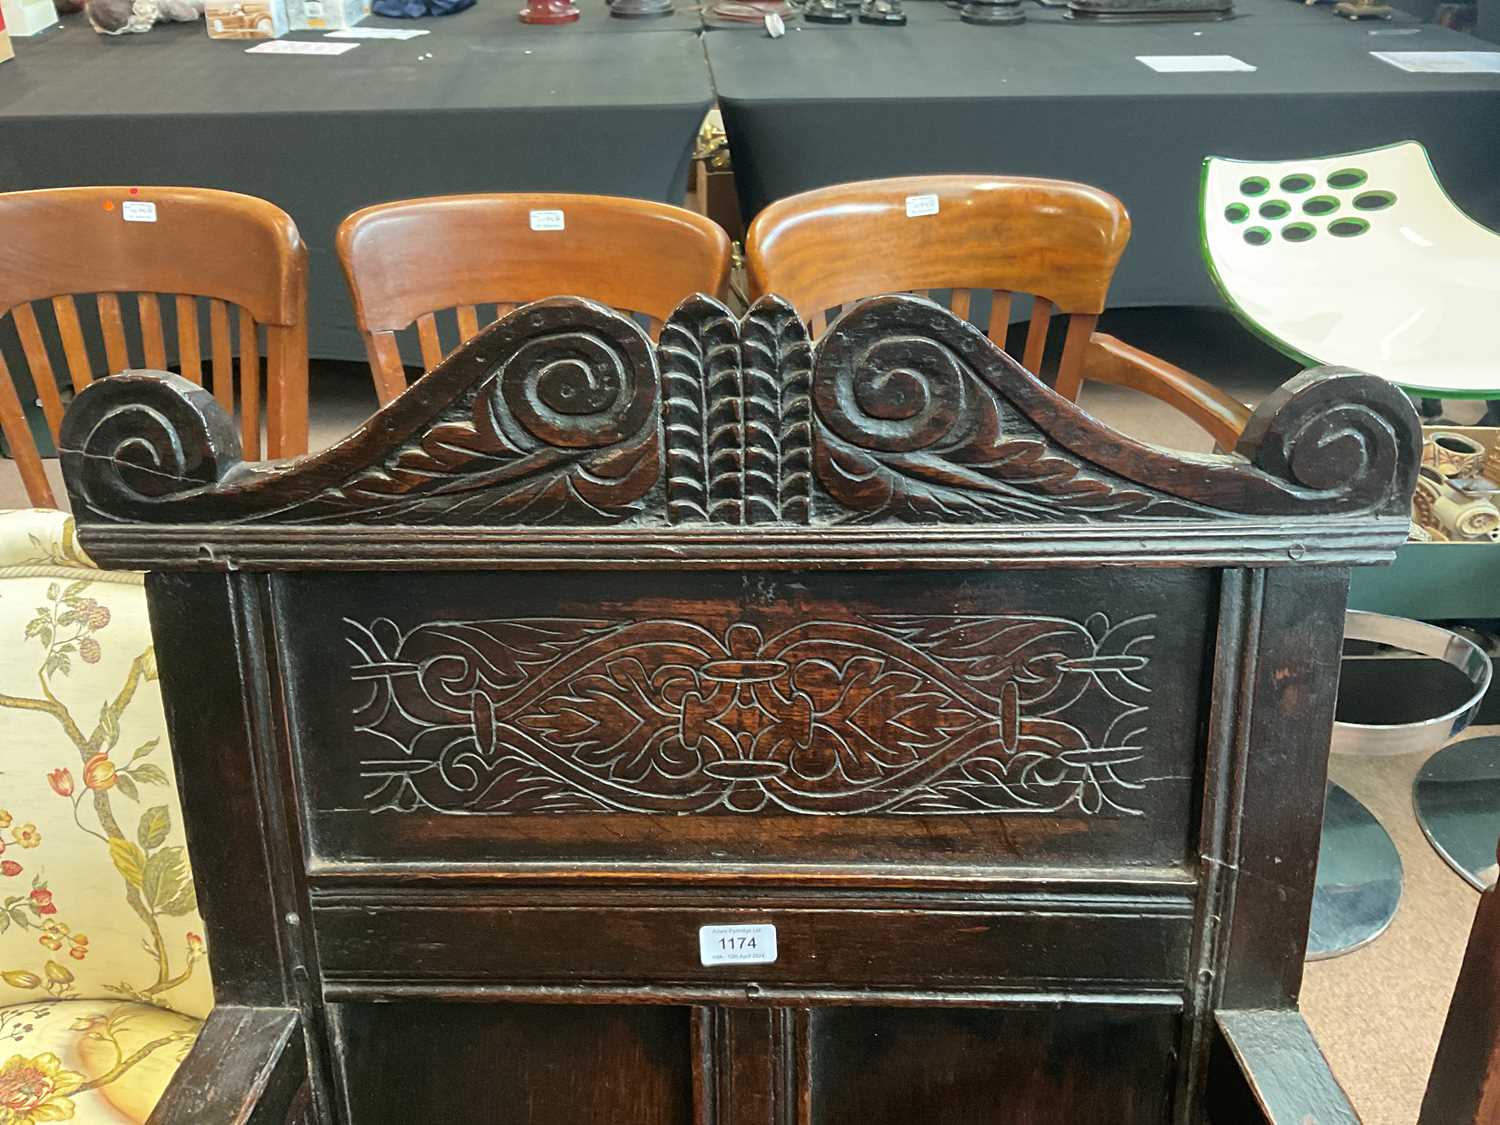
562, 429
915, 426
138, 438
559, 415
548, 416
574, 390
1342, 435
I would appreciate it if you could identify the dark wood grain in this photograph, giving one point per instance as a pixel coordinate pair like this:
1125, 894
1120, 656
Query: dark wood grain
212, 739
888, 1067
247, 1067
476, 1064
1267, 1069
1465, 1082
462, 940
1286, 705
1015, 729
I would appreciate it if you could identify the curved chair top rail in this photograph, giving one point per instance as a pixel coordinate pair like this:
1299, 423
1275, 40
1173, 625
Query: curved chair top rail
206, 243
416, 256
1052, 238
562, 437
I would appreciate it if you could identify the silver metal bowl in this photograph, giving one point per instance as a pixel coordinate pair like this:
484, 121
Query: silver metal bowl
1427, 735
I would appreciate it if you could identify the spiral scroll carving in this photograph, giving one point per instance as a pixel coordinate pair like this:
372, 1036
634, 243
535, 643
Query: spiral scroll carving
138, 439
1344, 437
564, 413
914, 426
563, 429
570, 389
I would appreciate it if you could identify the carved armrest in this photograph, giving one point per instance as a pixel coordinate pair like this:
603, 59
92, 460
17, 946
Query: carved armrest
1265, 1067
248, 1067
1109, 360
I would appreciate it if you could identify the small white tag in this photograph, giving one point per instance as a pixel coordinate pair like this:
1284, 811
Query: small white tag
138, 211
1195, 64
737, 945
313, 8
547, 220
775, 25
919, 205
298, 47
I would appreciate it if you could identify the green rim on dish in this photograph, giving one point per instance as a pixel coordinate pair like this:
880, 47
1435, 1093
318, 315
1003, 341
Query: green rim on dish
1265, 333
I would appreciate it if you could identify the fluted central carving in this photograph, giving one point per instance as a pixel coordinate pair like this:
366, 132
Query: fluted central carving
565, 413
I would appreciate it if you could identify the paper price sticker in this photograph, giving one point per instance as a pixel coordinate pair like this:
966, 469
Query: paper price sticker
547, 220
919, 205
737, 945
138, 211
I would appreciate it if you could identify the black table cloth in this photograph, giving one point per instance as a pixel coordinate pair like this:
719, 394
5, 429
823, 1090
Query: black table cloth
612, 106
603, 105
1056, 98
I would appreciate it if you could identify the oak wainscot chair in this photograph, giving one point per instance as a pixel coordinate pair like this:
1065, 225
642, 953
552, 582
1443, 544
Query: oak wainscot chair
734, 729
99, 280
451, 264
978, 243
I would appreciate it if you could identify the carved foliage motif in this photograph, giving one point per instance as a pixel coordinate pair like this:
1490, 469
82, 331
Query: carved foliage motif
893, 714
561, 430
564, 413
911, 428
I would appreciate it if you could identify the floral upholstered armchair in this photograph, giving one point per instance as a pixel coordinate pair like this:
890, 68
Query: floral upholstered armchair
103, 977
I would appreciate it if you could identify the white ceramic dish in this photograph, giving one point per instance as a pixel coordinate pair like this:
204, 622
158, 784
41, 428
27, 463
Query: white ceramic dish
1360, 260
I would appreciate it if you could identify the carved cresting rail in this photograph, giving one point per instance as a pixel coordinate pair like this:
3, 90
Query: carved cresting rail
1014, 728
563, 415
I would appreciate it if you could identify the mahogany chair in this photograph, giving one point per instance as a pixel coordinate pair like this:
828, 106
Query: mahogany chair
187, 256
991, 237
722, 729
418, 260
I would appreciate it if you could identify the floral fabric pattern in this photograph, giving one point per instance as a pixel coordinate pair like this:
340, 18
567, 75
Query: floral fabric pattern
91, 1062
96, 895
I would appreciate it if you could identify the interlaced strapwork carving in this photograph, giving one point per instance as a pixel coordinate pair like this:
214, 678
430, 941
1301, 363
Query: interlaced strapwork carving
895, 714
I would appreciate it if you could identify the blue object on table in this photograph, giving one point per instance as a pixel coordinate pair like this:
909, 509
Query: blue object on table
416, 9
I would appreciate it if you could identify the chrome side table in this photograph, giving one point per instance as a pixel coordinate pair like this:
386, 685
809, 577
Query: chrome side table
1359, 870
1457, 801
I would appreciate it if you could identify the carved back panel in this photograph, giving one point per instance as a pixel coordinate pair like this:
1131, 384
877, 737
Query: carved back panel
1014, 728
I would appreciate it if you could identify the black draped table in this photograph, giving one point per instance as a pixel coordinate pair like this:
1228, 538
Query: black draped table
483, 103
1056, 98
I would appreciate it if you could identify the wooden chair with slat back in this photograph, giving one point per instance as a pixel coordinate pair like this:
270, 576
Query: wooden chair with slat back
232, 259
411, 261
1003, 236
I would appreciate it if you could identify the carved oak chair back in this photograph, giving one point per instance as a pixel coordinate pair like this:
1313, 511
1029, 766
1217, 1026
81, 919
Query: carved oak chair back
450, 264
969, 241
1004, 734
93, 286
